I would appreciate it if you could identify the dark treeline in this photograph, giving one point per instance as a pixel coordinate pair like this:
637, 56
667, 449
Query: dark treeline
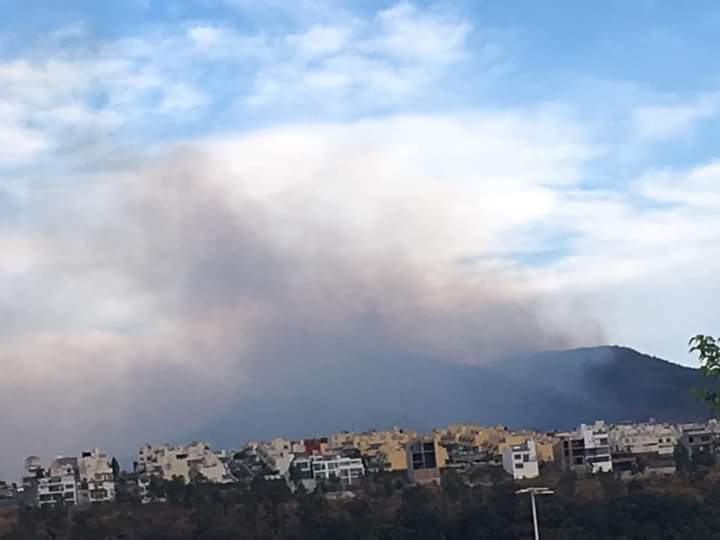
683, 507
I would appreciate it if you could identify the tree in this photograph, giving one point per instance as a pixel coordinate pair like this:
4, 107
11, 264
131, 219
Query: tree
115, 468
708, 349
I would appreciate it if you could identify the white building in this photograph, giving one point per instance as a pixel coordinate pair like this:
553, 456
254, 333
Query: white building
646, 438
97, 482
54, 490
189, 462
587, 448
59, 487
347, 470
520, 460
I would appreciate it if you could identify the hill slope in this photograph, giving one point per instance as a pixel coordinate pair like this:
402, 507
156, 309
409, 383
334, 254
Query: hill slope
551, 390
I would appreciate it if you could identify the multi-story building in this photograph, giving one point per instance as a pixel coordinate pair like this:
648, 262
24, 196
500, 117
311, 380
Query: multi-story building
277, 456
587, 449
699, 439
53, 490
59, 487
32, 471
645, 438
425, 459
346, 469
544, 444
97, 481
520, 460
189, 462
382, 450
461, 456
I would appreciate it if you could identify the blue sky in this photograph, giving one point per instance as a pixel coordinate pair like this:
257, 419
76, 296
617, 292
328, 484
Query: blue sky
555, 156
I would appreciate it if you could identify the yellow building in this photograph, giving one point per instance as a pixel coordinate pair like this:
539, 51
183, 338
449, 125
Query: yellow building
395, 457
544, 444
386, 446
493, 439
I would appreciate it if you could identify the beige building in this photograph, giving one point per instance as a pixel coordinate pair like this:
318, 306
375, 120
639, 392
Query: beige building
97, 482
189, 462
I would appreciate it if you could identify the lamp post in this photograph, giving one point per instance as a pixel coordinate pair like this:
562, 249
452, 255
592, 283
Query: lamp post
535, 491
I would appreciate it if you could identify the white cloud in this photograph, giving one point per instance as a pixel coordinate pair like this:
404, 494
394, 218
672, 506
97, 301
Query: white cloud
358, 64
410, 34
698, 187
205, 36
320, 40
181, 98
660, 122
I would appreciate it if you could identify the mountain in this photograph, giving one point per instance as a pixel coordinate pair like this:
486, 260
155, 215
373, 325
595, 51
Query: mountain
549, 390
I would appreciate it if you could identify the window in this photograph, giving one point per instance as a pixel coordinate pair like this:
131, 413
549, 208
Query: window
526, 458
518, 457
69, 496
519, 465
99, 494
69, 486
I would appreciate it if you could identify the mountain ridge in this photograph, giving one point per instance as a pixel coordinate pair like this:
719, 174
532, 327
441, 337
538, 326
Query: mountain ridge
546, 390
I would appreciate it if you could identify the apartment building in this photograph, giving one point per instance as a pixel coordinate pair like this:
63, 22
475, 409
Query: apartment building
188, 462
97, 482
54, 490
277, 456
644, 438
382, 450
59, 486
32, 470
697, 439
426, 458
544, 444
586, 449
520, 460
348, 470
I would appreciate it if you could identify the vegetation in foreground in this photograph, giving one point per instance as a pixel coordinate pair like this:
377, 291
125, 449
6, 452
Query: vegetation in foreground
683, 507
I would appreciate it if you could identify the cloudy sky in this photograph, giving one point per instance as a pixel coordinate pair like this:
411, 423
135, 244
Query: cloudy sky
195, 193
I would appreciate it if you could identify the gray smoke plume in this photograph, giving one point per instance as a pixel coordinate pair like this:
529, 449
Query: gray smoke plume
161, 297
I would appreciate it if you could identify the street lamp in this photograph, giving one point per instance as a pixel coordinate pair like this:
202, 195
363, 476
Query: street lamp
535, 491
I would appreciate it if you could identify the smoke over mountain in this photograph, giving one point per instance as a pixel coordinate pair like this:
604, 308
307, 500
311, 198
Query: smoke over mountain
148, 301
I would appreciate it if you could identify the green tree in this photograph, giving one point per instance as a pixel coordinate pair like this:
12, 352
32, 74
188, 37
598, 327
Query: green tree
708, 349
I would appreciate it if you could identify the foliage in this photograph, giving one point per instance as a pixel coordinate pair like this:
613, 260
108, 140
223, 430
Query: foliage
683, 507
708, 349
